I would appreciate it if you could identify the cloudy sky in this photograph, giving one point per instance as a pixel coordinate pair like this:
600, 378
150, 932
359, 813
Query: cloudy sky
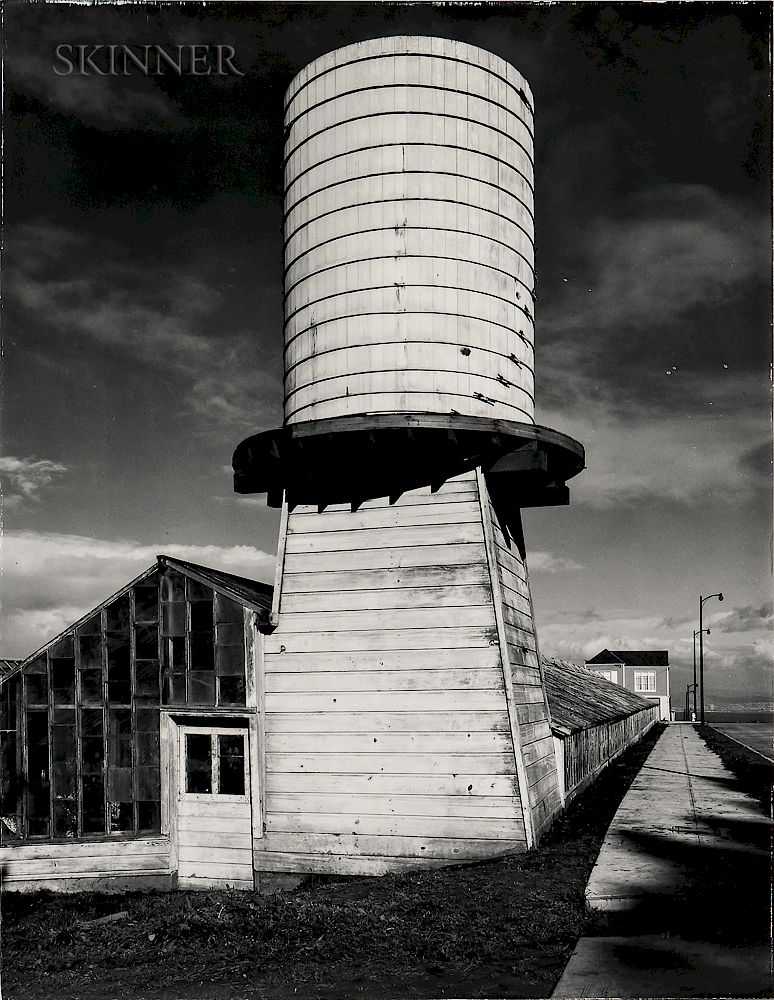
143, 313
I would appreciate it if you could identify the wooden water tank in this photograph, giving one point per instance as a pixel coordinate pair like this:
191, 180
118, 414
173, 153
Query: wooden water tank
409, 233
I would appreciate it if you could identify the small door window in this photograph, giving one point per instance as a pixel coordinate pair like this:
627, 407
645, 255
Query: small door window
215, 764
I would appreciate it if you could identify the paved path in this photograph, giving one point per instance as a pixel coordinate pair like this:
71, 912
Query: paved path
759, 736
680, 889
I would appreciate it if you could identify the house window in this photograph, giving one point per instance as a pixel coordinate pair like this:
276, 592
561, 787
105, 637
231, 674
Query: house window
215, 764
609, 675
644, 680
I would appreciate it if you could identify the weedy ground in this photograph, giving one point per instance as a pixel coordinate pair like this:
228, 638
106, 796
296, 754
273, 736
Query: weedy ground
501, 928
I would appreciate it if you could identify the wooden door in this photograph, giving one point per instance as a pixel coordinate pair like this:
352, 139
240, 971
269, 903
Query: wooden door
214, 824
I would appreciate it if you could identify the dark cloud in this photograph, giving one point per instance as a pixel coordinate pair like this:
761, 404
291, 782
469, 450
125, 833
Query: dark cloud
748, 619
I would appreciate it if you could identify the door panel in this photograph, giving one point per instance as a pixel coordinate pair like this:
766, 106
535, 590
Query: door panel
214, 821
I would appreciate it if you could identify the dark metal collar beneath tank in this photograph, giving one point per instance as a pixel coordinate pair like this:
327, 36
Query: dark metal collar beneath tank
353, 458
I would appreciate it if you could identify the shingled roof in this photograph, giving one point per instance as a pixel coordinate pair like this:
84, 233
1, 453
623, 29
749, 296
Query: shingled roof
579, 698
633, 657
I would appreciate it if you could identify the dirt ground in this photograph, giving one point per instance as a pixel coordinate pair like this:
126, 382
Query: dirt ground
501, 928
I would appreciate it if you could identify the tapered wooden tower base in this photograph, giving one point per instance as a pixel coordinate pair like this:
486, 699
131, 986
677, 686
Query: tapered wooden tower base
405, 713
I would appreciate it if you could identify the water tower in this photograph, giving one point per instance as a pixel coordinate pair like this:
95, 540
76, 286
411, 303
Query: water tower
406, 718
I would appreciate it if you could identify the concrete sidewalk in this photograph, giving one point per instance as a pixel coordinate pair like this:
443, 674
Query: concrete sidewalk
681, 889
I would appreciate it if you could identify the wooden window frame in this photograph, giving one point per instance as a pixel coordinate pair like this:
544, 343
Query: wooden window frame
213, 732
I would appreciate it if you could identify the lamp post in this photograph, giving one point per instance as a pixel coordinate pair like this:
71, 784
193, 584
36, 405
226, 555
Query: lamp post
695, 685
701, 646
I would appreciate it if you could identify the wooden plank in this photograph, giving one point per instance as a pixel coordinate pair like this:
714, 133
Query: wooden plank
123, 882
326, 864
374, 722
528, 694
388, 659
547, 785
538, 769
406, 597
389, 619
206, 857
212, 824
453, 511
518, 620
280, 564
85, 848
386, 538
531, 713
211, 871
523, 674
388, 557
531, 732
442, 575
451, 848
389, 742
223, 809
386, 680
388, 701
377, 761
99, 865
392, 784
462, 806
494, 575
541, 750
378, 639
365, 824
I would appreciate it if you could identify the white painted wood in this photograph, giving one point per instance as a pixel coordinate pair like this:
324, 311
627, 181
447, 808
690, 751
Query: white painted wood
392, 554
503, 807
377, 761
376, 640
390, 742
399, 722
385, 538
86, 866
352, 581
463, 783
385, 680
365, 824
487, 524
391, 598
106, 848
214, 831
451, 511
390, 619
447, 848
417, 660
326, 864
280, 564
388, 701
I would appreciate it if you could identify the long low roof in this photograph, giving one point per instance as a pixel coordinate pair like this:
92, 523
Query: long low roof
578, 698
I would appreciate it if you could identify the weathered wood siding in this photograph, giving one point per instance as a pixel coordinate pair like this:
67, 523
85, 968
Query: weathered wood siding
214, 843
529, 695
34, 866
388, 739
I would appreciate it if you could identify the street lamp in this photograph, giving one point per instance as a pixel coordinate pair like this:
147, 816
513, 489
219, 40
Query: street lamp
701, 646
695, 685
